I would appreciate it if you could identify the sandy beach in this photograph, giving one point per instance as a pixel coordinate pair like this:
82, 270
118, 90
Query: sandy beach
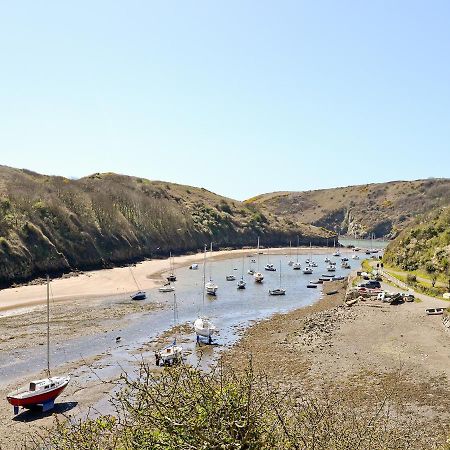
116, 281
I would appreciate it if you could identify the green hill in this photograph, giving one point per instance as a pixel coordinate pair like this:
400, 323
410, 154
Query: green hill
53, 224
424, 246
384, 208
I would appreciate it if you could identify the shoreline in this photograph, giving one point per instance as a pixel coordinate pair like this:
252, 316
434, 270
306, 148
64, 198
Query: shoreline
104, 283
358, 354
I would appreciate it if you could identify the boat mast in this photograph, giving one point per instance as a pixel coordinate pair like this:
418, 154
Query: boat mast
210, 264
48, 326
257, 256
280, 273
297, 249
204, 278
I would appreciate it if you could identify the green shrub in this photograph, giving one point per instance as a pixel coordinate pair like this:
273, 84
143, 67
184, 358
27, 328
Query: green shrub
184, 408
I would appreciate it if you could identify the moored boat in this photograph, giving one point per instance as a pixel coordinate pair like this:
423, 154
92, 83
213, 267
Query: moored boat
41, 392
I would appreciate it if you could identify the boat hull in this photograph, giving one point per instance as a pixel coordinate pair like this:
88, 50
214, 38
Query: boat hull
38, 399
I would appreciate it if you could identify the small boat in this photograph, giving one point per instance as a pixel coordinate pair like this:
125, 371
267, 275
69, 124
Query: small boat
193, 267
434, 311
355, 257
337, 278
290, 263
307, 271
356, 249
327, 260
270, 268
319, 281
204, 328
251, 272
166, 288
296, 265
211, 288
230, 278
336, 254
140, 295
171, 276
277, 291
173, 353
258, 277
344, 259
241, 283
311, 286
345, 265
331, 268
41, 392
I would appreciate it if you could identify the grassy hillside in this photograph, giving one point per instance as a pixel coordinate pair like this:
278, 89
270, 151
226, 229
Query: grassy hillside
53, 224
424, 246
384, 209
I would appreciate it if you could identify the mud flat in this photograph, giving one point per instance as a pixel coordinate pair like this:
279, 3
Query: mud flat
358, 353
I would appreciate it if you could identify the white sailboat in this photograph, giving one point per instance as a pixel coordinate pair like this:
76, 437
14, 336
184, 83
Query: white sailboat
41, 392
290, 263
203, 326
210, 286
173, 353
296, 265
279, 290
258, 276
270, 267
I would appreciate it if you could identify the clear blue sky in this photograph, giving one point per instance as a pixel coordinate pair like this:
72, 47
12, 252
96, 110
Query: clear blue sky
240, 97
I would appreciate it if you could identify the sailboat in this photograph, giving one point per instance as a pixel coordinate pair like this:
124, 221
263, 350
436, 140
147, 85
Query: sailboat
308, 269
297, 265
173, 353
269, 266
258, 276
241, 283
278, 291
41, 392
202, 325
210, 286
290, 263
336, 253
230, 277
139, 295
171, 276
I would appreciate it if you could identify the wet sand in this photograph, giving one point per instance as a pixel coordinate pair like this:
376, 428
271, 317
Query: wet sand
357, 353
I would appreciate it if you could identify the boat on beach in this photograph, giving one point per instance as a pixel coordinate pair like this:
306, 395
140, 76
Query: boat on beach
171, 276
172, 353
42, 392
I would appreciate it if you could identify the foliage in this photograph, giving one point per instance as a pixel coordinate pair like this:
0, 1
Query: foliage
184, 408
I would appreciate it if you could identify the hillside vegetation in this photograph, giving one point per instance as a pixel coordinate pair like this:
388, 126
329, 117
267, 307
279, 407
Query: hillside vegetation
384, 209
424, 246
53, 224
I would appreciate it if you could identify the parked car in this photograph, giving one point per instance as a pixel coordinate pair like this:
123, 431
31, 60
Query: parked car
371, 284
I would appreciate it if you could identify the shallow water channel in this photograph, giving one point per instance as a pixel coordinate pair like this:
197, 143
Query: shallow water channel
232, 311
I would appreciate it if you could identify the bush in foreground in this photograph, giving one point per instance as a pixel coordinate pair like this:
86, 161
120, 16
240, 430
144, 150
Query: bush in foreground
184, 408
